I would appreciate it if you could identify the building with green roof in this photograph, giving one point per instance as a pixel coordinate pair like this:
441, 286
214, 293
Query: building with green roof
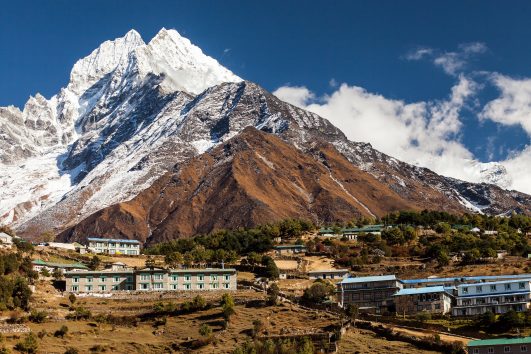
500, 345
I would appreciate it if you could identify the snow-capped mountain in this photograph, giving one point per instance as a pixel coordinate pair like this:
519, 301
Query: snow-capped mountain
132, 111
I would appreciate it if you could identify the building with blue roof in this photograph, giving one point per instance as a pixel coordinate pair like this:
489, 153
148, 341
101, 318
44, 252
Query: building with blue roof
495, 296
114, 246
432, 299
372, 294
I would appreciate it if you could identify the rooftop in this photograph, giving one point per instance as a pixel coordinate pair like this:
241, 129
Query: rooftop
112, 240
469, 278
59, 265
368, 279
499, 341
495, 282
289, 246
426, 290
329, 271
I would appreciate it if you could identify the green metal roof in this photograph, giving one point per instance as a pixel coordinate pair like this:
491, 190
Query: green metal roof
499, 341
59, 265
366, 228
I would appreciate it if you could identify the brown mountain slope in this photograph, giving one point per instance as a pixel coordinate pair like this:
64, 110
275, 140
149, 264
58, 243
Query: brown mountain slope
252, 179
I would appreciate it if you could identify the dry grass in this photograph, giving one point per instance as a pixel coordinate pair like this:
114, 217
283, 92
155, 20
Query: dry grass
365, 341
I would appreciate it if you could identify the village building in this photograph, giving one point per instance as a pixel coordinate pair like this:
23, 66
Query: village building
39, 265
65, 246
284, 250
496, 297
328, 274
114, 246
500, 346
433, 299
353, 232
373, 294
6, 241
455, 281
151, 279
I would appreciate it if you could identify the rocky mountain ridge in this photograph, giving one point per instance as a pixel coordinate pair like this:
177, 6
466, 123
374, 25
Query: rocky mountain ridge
132, 111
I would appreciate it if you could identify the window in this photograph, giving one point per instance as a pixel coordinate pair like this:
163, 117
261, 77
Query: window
103, 287
144, 277
200, 286
491, 350
115, 287
227, 277
214, 285
89, 279
187, 277
75, 280
506, 349
174, 277
476, 350
493, 288
116, 279
523, 348
102, 279
507, 286
144, 286
213, 277
200, 277
437, 306
479, 289
158, 286
129, 287
521, 285
465, 290
75, 288
129, 278
173, 286
188, 286
88, 288
159, 276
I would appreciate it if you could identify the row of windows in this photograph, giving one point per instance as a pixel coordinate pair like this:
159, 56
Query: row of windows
493, 287
103, 279
506, 349
112, 244
492, 300
186, 286
187, 277
75, 288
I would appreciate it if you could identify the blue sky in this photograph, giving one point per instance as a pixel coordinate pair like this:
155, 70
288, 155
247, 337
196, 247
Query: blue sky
387, 48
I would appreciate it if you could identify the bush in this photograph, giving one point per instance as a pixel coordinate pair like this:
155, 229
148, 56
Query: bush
38, 316
205, 330
423, 316
61, 332
28, 345
71, 350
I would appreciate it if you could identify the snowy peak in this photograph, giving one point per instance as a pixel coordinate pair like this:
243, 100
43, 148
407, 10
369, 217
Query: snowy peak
184, 66
102, 61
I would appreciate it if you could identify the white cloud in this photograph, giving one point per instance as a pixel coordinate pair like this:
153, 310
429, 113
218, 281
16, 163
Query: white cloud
423, 133
513, 107
454, 62
298, 96
419, 53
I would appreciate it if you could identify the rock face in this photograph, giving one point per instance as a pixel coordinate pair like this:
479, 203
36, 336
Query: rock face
132, 112
252, 178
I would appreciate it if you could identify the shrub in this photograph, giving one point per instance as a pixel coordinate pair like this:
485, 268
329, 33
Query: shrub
423, 316
72, 298
38, 316
61, 332
205, 330
28, 345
